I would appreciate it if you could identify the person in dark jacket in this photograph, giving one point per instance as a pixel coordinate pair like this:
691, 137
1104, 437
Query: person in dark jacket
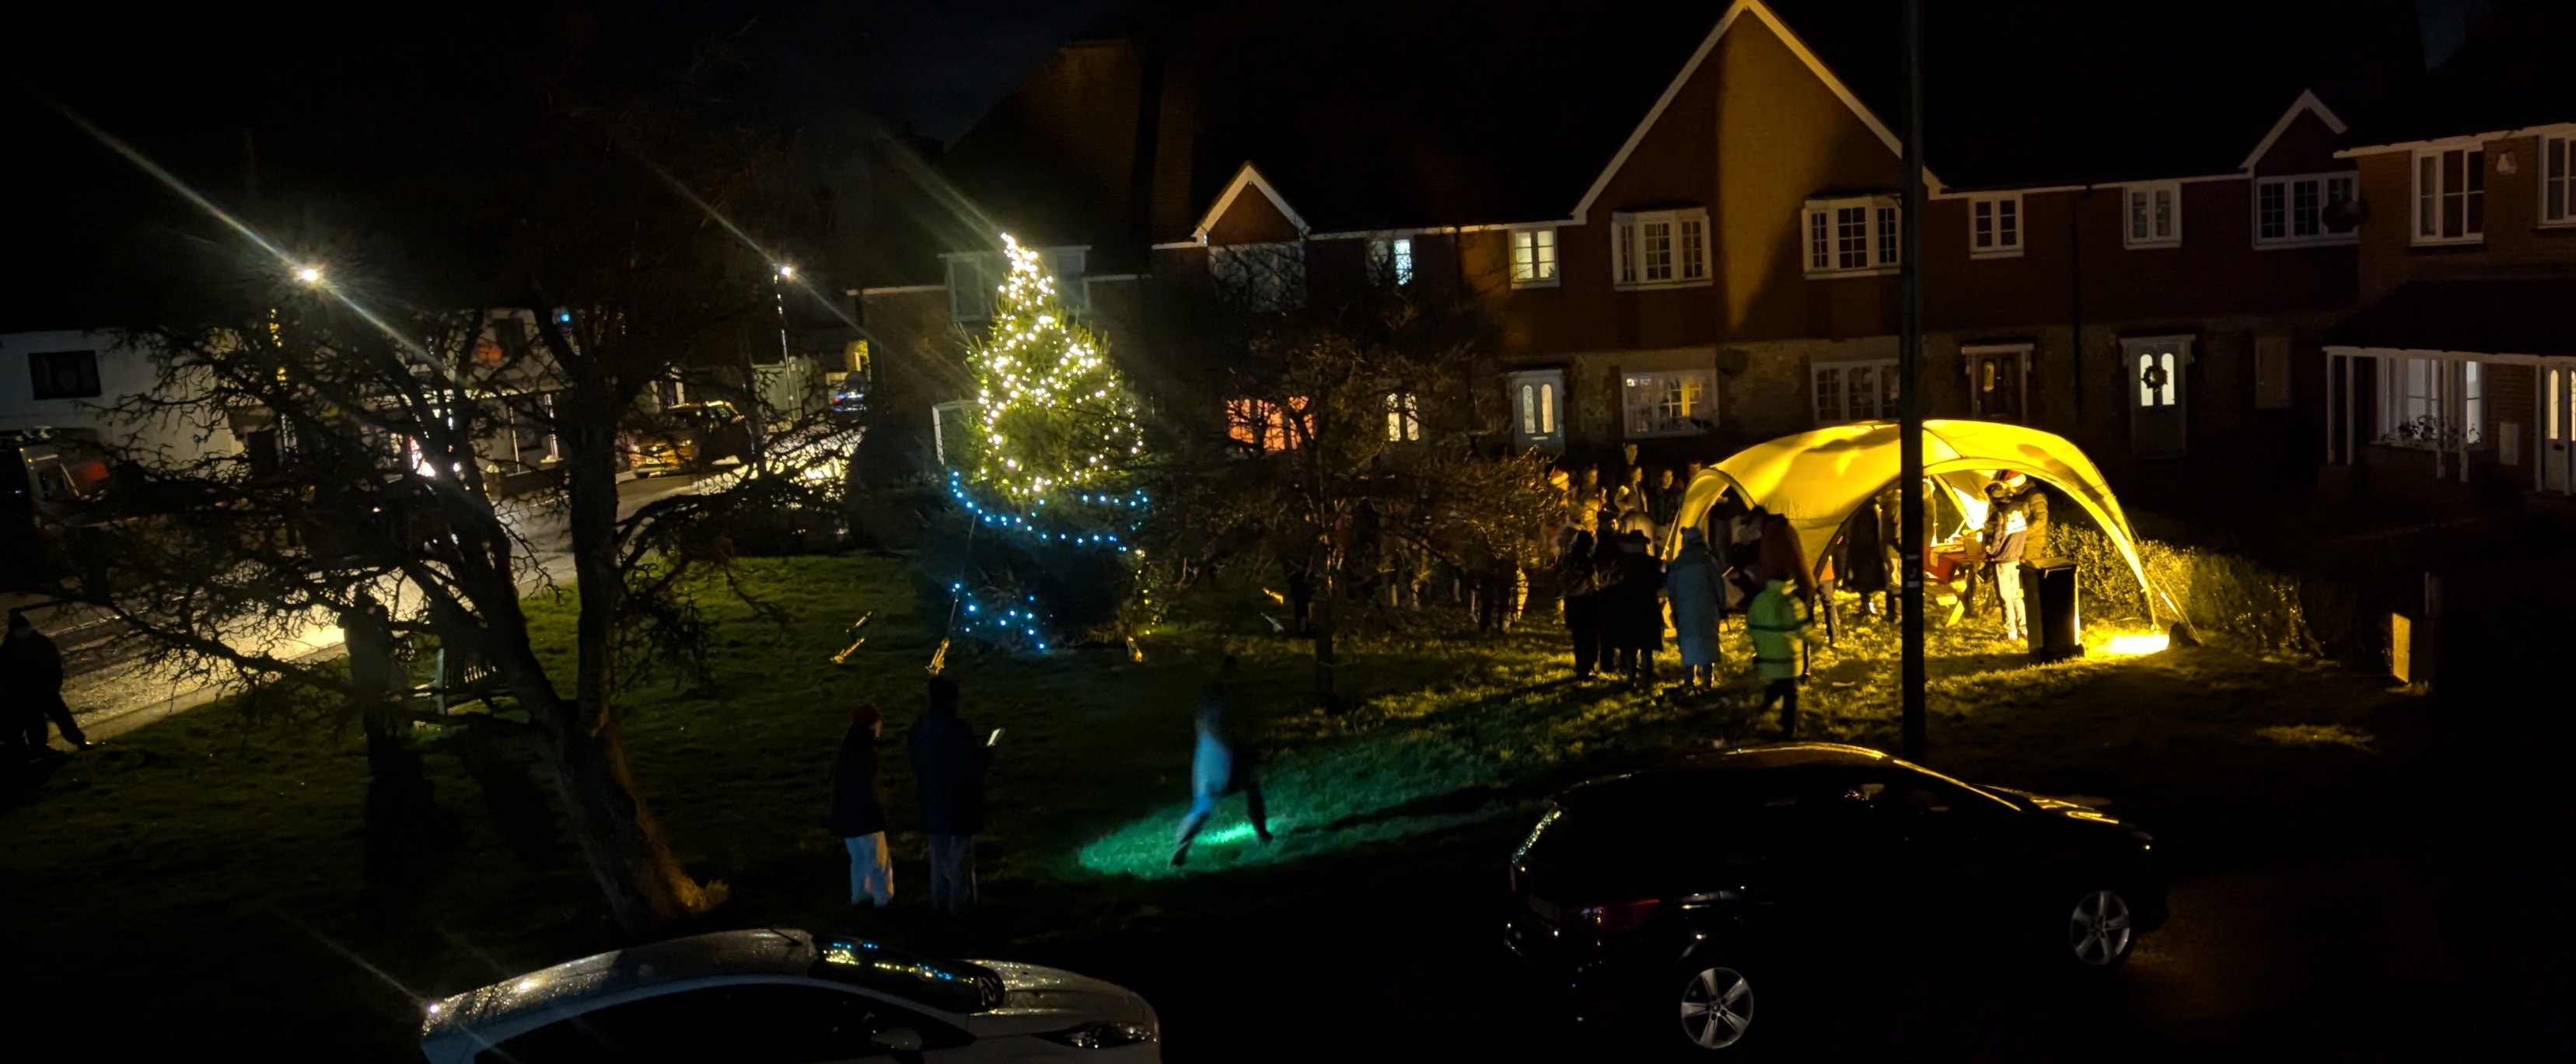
31, 683
948, 764
1574, 580
859, 808
1220, 766
1864, 568
2016, 530
1634, 608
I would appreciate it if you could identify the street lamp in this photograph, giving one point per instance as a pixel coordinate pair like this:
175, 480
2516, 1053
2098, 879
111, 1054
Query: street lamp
311, 275
786, 272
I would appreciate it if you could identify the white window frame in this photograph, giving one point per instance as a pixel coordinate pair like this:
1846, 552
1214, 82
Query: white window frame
984, 271
1263, 277
1662, 403
1829, 391
1822, 226
2151, 215
1659, 249
2557, 173
1403, 417
1537, 399
1392, 258
2323, 191
1996, 228
1534, 257
2428, 205
2432, 403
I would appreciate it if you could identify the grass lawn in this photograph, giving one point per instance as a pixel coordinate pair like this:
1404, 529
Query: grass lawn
213, 875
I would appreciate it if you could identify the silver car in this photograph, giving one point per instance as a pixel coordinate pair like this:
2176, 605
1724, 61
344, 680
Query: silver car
774, 996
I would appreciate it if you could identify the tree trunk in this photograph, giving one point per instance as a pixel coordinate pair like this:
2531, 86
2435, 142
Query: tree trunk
1327, 607
580, 743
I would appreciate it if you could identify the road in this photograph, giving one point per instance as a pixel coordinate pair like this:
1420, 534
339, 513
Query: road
2390, 906
112, 690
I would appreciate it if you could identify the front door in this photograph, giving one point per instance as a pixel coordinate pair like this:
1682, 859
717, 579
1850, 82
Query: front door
1998, 390
2558, 428
2158, 400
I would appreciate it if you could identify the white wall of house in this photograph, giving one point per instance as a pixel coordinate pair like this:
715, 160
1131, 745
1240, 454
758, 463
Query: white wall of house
52, 362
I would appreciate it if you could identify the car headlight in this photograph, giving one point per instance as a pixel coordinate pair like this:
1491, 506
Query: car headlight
1103, 1035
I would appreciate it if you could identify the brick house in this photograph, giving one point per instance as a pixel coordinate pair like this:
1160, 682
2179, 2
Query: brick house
2458, 375
1686, 233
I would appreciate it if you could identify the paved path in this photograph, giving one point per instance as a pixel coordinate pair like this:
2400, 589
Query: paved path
112, 690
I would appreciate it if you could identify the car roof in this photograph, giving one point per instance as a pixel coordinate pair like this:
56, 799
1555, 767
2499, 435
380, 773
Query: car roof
759, 951
1741, 763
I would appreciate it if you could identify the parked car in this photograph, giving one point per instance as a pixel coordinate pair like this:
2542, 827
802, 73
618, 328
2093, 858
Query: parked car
776, 996
1687, 895
688, 437
850, 397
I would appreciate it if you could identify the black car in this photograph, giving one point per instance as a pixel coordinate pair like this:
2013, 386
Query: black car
1679, 891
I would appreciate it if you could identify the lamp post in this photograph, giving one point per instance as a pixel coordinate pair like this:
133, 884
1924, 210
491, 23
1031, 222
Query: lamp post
1909, 353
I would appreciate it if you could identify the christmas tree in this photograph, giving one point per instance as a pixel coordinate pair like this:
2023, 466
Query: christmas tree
1051, 466
1058, 437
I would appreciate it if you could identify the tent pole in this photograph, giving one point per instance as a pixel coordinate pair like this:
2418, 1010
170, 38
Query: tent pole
1909, 353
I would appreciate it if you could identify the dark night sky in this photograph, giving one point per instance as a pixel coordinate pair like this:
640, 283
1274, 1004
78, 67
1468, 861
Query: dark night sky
184, 81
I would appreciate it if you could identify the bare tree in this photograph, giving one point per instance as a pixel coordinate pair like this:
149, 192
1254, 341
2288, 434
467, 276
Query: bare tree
1348, 452
379, 436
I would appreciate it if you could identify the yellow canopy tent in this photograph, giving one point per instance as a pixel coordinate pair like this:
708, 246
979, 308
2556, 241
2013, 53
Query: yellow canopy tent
1818, 479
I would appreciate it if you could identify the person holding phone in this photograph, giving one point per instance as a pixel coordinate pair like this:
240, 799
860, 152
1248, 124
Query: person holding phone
948, 765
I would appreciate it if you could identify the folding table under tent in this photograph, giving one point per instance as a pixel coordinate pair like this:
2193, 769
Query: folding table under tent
1818, 479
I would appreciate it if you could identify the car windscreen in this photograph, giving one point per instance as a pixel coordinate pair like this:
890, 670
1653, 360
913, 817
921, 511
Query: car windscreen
949, 986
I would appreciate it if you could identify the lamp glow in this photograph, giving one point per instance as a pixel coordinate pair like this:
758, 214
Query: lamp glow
786, 272
2130, 645
311, 275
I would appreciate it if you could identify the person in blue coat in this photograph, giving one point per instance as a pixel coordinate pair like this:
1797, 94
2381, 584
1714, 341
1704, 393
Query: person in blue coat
1697, 591
859, 808
1218, 767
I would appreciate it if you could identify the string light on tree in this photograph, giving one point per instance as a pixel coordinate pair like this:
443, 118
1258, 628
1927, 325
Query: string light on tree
1059, 433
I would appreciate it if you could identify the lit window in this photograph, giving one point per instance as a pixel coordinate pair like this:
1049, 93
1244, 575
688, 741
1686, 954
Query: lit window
1853, 391
1262, 425
1403, 417
1661, 248
1392, 259
1669, 403
1533, 257
2155, 215
1537, 407
2305, 209
2558, 181
2431, 402
1852, 236
1994, 229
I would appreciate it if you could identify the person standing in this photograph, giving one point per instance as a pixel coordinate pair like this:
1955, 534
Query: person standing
1664, 503
1582, 598
2016, 528
1636, 608
948, 766
1698, 595
859, 808
1865, 560
31, 680
1778, 627
1219, 767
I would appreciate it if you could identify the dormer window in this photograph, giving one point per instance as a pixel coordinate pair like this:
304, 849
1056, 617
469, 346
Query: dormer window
1659, 249
1851, 237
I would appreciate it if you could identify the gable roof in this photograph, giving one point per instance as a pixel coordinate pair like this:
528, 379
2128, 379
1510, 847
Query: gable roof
1247, 178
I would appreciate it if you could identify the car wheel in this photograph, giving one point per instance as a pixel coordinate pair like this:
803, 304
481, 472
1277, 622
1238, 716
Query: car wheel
1716, 1008
2100, 931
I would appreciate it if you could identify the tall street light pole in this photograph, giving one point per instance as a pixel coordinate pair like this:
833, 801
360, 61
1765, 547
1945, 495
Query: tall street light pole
1909, 355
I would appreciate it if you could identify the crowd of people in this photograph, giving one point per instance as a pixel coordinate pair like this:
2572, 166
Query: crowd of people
1617, 595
